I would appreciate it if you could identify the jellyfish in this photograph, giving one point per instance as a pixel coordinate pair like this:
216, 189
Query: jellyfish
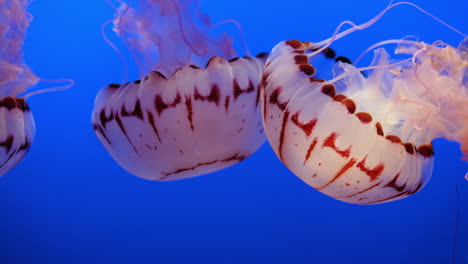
363, 135
16, 121
181, 119
17, 128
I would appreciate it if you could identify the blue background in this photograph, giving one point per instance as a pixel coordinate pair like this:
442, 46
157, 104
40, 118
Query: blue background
69, 202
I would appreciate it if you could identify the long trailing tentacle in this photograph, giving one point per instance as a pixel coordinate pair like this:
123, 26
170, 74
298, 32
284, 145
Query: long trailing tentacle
118, 31
52, 89
241, 33
338, 35
112, 45
381, 43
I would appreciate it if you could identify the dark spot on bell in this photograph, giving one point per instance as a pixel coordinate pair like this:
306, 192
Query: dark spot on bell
301, 59
262, 55
312, 79
307, 69
426, 150
234, 59
343, 59
329, 53
194, 66
350, 105
329, 89
8, 102
296, 44
393, 139
378, 126
339, 97
364, 117
409, 148
137, 81
114, 85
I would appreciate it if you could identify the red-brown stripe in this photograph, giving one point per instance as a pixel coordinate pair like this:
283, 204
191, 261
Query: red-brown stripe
372, 173
306, 127
363, 191
188, 105
330, 142
311, 148
281, 139
346, 167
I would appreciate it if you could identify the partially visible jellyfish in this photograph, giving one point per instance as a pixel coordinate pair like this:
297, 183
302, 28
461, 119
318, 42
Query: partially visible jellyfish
17, 128
181, 119
358, 139
16, 122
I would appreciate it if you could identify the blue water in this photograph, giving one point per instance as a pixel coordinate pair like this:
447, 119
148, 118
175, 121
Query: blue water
69, 202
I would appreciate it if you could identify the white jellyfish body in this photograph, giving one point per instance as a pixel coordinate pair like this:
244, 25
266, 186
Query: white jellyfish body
181, 120
194, 122
16, 121
17, 132
358, 139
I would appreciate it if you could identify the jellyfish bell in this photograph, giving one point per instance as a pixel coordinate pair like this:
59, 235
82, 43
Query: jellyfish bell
17, 134
182, 119
358, 139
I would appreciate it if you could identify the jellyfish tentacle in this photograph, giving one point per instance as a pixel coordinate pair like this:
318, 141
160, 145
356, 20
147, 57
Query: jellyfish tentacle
120, 15
70, 84
114, 47
241, 33
195, 50
109, 2
338, 35
160, 32
15, 76
380, 44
